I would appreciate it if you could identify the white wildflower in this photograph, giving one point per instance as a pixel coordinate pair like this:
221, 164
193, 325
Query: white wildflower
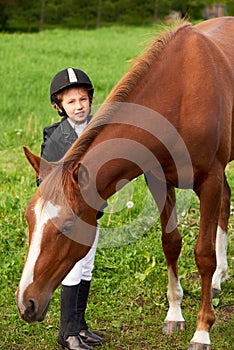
129, 204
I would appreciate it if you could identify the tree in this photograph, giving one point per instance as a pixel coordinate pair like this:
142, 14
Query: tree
42, 15
99, 14
31, 15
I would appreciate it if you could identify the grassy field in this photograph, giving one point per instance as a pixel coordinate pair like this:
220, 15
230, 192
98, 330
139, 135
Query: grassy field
127, 302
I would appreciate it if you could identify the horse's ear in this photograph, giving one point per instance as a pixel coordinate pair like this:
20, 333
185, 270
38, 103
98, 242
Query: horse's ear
81, 175
88, 190
40, 165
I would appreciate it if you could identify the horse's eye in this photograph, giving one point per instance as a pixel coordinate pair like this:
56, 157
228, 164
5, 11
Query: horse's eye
67, 228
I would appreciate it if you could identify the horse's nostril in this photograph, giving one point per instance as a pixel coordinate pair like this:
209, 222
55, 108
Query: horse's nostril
31, 307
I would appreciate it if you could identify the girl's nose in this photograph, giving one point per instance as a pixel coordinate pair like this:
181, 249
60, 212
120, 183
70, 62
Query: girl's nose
79, 105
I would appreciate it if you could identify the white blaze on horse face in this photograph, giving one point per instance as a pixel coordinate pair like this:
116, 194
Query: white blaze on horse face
42, 214
220, 274
174, 295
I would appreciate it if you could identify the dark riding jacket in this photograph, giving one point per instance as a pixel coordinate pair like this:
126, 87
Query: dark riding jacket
58, 138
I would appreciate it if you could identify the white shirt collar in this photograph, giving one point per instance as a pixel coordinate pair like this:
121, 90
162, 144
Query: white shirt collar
79, 128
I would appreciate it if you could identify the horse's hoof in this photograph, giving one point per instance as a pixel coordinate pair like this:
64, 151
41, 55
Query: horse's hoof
198, 346
215, 292
171, 327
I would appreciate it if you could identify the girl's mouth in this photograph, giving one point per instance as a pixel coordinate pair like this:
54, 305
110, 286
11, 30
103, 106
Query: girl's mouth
80, 114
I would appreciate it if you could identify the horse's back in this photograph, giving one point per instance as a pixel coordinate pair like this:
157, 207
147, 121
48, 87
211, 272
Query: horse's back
217, 26
221, 31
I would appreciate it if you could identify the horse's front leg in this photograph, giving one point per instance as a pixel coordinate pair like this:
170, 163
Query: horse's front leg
209, 193
164, 196
221, 274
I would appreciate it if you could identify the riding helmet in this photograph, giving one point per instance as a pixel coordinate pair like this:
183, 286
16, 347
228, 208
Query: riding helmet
67, 78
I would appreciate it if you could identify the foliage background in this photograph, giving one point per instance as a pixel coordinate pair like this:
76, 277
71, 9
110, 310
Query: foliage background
127, 303
34, 15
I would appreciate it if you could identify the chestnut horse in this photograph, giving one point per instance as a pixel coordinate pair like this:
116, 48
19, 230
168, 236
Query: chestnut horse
169, 117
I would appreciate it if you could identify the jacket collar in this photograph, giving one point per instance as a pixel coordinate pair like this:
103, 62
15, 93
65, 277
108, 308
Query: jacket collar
67, 131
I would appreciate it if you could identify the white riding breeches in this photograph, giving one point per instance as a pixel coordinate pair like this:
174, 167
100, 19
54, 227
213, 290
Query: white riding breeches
82, 270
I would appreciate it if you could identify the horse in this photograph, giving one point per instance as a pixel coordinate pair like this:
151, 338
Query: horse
170, 117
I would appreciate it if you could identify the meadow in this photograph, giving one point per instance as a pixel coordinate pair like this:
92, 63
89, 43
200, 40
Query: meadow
127, 303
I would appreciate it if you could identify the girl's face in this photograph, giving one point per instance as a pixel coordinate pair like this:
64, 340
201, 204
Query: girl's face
76, 103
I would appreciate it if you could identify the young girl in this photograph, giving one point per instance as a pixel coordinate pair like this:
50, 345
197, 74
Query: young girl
71, 94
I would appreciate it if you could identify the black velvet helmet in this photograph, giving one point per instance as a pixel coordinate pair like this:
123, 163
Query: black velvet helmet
67, 78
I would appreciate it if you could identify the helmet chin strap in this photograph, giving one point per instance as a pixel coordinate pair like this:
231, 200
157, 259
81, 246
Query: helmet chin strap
60, 109
63, 113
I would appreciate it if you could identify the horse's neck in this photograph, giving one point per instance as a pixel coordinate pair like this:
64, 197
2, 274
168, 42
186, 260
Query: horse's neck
124, 149
141, 129
137, 140
112, 161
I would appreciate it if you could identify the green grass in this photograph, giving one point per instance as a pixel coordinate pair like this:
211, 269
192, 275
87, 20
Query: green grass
127, 303
29, 61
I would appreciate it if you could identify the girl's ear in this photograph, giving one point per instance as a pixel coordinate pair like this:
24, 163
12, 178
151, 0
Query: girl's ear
55, 106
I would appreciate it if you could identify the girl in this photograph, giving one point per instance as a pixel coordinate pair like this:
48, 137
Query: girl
71, 94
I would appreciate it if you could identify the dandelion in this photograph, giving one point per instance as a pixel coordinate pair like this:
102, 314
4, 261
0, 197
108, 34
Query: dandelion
129, 204
18, 132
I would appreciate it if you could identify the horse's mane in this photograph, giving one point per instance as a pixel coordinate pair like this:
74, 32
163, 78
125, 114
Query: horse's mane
56, 180
120, 92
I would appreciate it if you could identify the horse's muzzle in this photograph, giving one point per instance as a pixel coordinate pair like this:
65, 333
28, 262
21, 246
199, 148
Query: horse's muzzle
32, 312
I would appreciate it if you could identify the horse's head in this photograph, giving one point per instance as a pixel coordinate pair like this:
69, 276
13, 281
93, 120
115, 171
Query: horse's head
61, 227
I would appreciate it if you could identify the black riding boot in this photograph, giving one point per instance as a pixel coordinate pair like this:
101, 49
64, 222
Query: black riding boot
69, 332
82, 299
87, 336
